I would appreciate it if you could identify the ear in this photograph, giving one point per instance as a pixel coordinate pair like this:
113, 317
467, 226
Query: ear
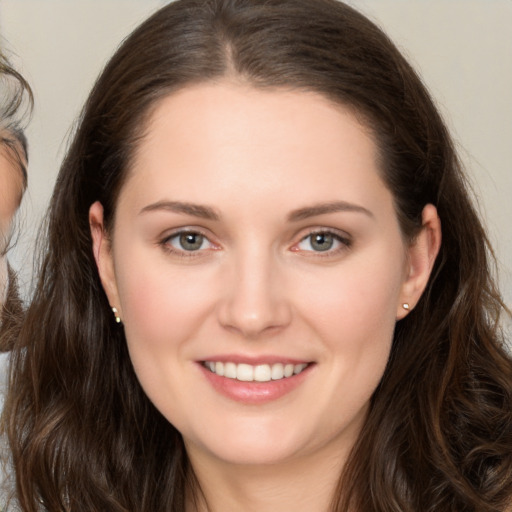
102, 251
421, 255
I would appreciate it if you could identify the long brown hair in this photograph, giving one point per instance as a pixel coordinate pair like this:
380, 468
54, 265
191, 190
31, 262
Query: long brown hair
438, 436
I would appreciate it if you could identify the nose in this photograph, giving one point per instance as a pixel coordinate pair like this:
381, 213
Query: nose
254, 300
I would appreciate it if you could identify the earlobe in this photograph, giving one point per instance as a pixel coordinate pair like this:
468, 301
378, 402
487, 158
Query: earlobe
422, 255
102, 254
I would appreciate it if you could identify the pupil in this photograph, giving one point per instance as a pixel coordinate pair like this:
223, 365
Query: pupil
322, 242
191, 241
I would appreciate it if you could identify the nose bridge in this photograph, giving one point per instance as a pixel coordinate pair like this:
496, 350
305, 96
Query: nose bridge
255, 300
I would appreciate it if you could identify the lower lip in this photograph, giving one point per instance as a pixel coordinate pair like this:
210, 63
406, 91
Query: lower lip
254, 393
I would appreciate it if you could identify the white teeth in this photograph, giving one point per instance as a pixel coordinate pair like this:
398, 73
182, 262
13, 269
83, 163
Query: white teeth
288, 370
298, 368
258, 373
230, 370
219, 369
245, 372
262, 373
277, 371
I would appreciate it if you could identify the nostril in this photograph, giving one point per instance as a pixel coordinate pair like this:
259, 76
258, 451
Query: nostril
254, 304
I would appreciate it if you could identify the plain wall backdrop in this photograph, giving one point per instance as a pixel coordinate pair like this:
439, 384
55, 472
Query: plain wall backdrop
461, 48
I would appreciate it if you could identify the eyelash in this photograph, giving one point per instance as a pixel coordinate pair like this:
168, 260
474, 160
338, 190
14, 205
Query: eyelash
183, 253
344, 242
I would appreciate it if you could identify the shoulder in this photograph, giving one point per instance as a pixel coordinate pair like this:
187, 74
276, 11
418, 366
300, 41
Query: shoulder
4, 363
4, 452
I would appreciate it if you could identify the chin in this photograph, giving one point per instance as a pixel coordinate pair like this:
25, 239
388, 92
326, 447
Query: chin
253, 455
249, 447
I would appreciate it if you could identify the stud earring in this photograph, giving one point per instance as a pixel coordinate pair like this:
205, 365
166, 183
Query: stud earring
406, 306
116, 314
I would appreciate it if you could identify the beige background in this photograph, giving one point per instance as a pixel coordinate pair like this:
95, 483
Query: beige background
462, 48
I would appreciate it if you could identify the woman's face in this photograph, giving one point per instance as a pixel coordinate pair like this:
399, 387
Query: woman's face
258, 267
11, 187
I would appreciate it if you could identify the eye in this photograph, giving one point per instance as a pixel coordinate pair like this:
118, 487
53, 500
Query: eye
188, 241
323, 241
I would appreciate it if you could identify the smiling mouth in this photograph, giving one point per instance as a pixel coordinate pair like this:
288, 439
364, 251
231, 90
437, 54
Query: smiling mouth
254, 373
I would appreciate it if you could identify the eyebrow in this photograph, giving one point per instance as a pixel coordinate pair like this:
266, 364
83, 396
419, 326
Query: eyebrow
206, 212
323, 208
196, 210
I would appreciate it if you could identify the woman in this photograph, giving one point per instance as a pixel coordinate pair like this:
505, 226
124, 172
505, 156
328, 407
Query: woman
13, 177
11, 190
14, 90
245, 302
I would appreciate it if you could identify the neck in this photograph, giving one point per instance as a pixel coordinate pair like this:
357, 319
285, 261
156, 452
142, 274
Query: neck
304, 484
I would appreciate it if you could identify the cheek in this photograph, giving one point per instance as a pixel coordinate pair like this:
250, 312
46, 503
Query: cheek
353, 311
163, 307
355, 299
162, 311
354, 315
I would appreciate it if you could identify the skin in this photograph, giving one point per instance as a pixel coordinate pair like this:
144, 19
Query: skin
258, 287
11, 187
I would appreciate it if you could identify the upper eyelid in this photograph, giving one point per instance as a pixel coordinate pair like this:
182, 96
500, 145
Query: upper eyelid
342, 239
339, 233
183, 230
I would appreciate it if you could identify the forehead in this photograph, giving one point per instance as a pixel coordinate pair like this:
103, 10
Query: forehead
220, 141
